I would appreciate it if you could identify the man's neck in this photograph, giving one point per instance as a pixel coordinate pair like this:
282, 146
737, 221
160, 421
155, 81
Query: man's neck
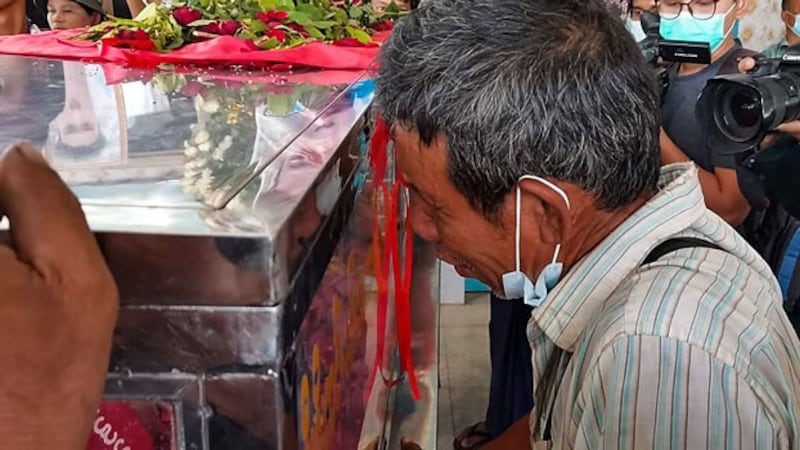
13, 20
593, 226
690, 69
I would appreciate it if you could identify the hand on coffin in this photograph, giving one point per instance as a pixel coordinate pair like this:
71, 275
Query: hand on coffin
57, 311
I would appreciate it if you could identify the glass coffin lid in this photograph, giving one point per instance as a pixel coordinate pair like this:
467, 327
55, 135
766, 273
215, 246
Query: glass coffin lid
211, 153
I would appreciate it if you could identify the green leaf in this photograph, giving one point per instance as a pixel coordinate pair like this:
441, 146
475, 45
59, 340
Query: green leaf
392, 8
174, 44
301, 18
268, 44
313, 11
360, 35
287, 5
258, 26
267, 5
324, 24
315, 33
355, 12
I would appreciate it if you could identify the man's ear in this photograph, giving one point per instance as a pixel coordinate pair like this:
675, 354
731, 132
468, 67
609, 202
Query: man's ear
788, 18
545, 208
742, 8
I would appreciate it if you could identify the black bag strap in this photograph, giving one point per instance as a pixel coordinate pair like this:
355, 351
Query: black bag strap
675, 244
661, 250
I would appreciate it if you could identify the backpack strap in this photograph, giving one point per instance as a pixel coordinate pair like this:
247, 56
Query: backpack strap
675, 244
662, 249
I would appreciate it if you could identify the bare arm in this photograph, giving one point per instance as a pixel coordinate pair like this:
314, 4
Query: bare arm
720, 187
517, 437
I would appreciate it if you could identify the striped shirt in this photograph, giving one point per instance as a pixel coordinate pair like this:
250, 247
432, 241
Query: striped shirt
692, 351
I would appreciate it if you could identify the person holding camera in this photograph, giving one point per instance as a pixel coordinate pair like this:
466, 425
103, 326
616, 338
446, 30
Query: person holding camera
683, 138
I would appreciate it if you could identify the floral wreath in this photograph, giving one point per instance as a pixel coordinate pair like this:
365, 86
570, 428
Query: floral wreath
262, 24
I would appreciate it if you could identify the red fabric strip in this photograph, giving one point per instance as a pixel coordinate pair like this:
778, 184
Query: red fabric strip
222, 51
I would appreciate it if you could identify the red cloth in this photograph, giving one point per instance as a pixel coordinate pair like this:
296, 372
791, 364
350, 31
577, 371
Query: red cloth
221, 51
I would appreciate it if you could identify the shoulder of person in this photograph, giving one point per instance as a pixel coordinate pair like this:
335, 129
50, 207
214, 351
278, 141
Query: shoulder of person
702, 296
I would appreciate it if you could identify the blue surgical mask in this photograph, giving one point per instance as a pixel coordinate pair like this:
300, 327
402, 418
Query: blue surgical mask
635, 29
688, 29
796, 26
517, 284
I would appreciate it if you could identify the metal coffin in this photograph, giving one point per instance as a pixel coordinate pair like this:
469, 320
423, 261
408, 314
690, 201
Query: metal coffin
232, 210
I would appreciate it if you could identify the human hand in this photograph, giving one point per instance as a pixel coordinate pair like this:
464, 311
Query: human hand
57, 310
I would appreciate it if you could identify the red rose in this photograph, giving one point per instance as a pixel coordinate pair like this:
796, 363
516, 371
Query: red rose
272, 16
212, 28
280, 35
299, 28
383, 25
138, 39
229, 27
185, 15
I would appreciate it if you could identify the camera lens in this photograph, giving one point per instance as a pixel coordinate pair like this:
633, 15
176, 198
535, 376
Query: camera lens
738, 113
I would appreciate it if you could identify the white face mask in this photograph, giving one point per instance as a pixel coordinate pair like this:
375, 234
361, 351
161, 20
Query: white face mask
635, 29
517, 284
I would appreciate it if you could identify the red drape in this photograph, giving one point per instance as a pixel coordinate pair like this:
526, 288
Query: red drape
221, 51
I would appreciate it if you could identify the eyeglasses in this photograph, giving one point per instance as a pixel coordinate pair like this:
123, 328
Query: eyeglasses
699, 9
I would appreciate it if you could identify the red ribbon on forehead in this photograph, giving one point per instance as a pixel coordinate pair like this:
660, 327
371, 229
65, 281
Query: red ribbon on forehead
388, 257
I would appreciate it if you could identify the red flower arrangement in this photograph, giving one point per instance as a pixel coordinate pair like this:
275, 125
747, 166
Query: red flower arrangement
264, 24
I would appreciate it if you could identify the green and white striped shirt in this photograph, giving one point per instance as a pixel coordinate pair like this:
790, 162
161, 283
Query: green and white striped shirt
692, 351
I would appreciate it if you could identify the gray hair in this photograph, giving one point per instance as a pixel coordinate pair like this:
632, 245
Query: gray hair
554, 88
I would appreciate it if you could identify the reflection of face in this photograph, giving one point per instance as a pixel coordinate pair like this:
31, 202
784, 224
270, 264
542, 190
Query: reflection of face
77, 125
67, 14
442, 216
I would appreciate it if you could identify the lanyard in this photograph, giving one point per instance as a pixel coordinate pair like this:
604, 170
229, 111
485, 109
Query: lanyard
389, 268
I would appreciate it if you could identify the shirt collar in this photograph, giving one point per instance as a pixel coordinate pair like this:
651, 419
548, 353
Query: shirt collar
581, 293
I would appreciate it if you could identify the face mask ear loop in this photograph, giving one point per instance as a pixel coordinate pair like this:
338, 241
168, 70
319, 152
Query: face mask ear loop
516, 230
555, 255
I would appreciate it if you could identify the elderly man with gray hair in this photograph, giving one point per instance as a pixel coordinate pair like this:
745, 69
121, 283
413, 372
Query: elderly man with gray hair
527, 133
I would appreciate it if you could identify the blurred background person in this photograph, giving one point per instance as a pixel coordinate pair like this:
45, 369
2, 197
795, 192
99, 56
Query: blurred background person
633, 17
683, 136
67, 14
790, 14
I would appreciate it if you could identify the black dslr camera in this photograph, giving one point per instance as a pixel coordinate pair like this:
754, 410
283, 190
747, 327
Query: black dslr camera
740, 110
